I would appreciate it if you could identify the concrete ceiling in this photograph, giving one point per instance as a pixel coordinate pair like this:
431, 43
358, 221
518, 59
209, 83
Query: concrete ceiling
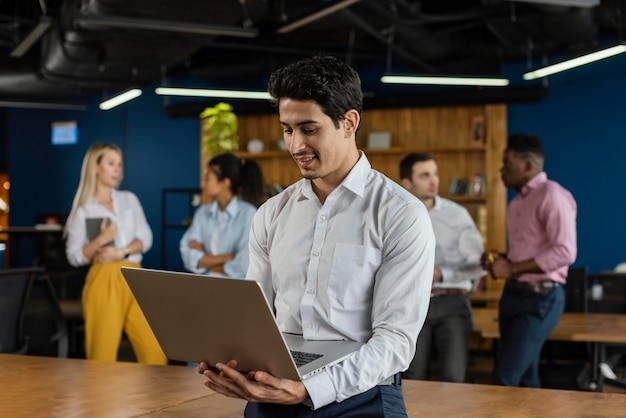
94, 46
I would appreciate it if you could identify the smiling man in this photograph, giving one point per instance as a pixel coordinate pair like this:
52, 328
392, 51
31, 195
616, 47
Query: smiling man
343, 254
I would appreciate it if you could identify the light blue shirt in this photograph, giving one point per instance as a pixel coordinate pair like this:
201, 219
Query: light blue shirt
359, 267
459, 245
129, 217
228, 236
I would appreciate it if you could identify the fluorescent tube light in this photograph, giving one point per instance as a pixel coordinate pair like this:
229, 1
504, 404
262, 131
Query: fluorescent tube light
445, 81
575, 62
119, 99
32, 37
226, 94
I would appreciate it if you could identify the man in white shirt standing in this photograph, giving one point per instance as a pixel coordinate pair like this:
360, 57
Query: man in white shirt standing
344, 253
457, 264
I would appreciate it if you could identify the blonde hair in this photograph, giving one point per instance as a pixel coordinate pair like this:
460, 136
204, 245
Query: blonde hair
87, 184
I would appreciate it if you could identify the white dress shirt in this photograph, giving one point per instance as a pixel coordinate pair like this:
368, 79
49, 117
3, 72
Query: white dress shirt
129, 217
459, 245
220, 232
359, 267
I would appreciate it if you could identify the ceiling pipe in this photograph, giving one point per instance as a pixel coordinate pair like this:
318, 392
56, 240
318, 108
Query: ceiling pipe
316, 16
90, 22
383, 40
33, 36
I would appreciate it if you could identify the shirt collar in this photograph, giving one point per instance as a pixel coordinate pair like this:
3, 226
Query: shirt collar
114, 194
231, 209
533, 183
437, 204
356, 180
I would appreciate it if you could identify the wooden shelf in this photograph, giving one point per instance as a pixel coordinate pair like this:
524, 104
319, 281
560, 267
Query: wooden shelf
373, 152
468, 199
446, 132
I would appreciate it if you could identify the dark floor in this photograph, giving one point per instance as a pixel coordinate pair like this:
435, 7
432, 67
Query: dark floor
567, 374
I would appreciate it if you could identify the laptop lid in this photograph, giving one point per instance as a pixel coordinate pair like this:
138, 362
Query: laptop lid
215, 319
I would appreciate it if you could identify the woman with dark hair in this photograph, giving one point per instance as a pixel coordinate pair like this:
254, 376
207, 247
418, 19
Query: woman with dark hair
217, 240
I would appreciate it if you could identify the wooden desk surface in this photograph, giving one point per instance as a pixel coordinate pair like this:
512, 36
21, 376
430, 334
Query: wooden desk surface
51, 387
485, 296
573, 326
54, 387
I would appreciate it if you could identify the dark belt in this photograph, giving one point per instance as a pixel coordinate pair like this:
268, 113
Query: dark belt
540, 287
395, 380
440, 291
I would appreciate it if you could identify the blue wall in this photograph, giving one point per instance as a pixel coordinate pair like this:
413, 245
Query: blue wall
158, 153
579, 121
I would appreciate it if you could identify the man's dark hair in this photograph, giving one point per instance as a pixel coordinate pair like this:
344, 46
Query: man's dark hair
406, 165
528, 145
328, 81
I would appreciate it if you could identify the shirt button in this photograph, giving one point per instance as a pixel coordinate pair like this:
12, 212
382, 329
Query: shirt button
322, 217
316, 253
310, 291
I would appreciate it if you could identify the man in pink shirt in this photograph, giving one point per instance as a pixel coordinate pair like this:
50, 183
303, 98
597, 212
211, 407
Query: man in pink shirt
541, 228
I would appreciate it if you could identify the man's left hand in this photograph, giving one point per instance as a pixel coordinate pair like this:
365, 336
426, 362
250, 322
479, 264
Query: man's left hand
254, 386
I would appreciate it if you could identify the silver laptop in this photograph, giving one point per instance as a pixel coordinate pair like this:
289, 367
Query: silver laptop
215, 319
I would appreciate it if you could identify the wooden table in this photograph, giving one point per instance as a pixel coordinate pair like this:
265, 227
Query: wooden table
53, 387
598, 329
484, 297
16, 234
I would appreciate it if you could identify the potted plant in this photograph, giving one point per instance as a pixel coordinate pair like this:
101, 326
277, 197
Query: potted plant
218, 127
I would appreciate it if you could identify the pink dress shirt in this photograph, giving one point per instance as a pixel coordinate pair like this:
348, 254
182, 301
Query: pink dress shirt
541, 225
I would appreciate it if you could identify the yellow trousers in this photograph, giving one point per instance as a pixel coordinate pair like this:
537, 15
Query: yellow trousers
109, 308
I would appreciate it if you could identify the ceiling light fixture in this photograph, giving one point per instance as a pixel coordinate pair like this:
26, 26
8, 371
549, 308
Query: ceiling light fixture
316, 16
120, 98
225, 94
575, 62
32, 37
445, 81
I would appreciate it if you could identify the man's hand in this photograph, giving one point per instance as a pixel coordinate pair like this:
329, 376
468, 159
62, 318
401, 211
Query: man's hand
498, 265
437, 277
254, 386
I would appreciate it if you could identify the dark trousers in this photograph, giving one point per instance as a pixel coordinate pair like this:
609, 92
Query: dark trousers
380, 401
446, 333
526, 321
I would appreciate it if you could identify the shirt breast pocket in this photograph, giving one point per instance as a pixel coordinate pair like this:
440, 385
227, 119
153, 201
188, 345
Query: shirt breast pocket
352, 273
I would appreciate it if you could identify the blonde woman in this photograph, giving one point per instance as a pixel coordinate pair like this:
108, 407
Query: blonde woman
121, 236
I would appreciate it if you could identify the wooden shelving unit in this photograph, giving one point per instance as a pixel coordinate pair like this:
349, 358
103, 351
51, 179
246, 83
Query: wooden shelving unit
445, 132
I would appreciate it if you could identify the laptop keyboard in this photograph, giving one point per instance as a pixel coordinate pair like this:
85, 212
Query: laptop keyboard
301, 358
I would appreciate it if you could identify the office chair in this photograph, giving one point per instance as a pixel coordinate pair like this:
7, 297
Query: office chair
31, 321
43, 324
616, 356
14, 288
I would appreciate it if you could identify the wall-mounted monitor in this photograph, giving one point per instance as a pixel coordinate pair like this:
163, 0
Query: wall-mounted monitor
64, 133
